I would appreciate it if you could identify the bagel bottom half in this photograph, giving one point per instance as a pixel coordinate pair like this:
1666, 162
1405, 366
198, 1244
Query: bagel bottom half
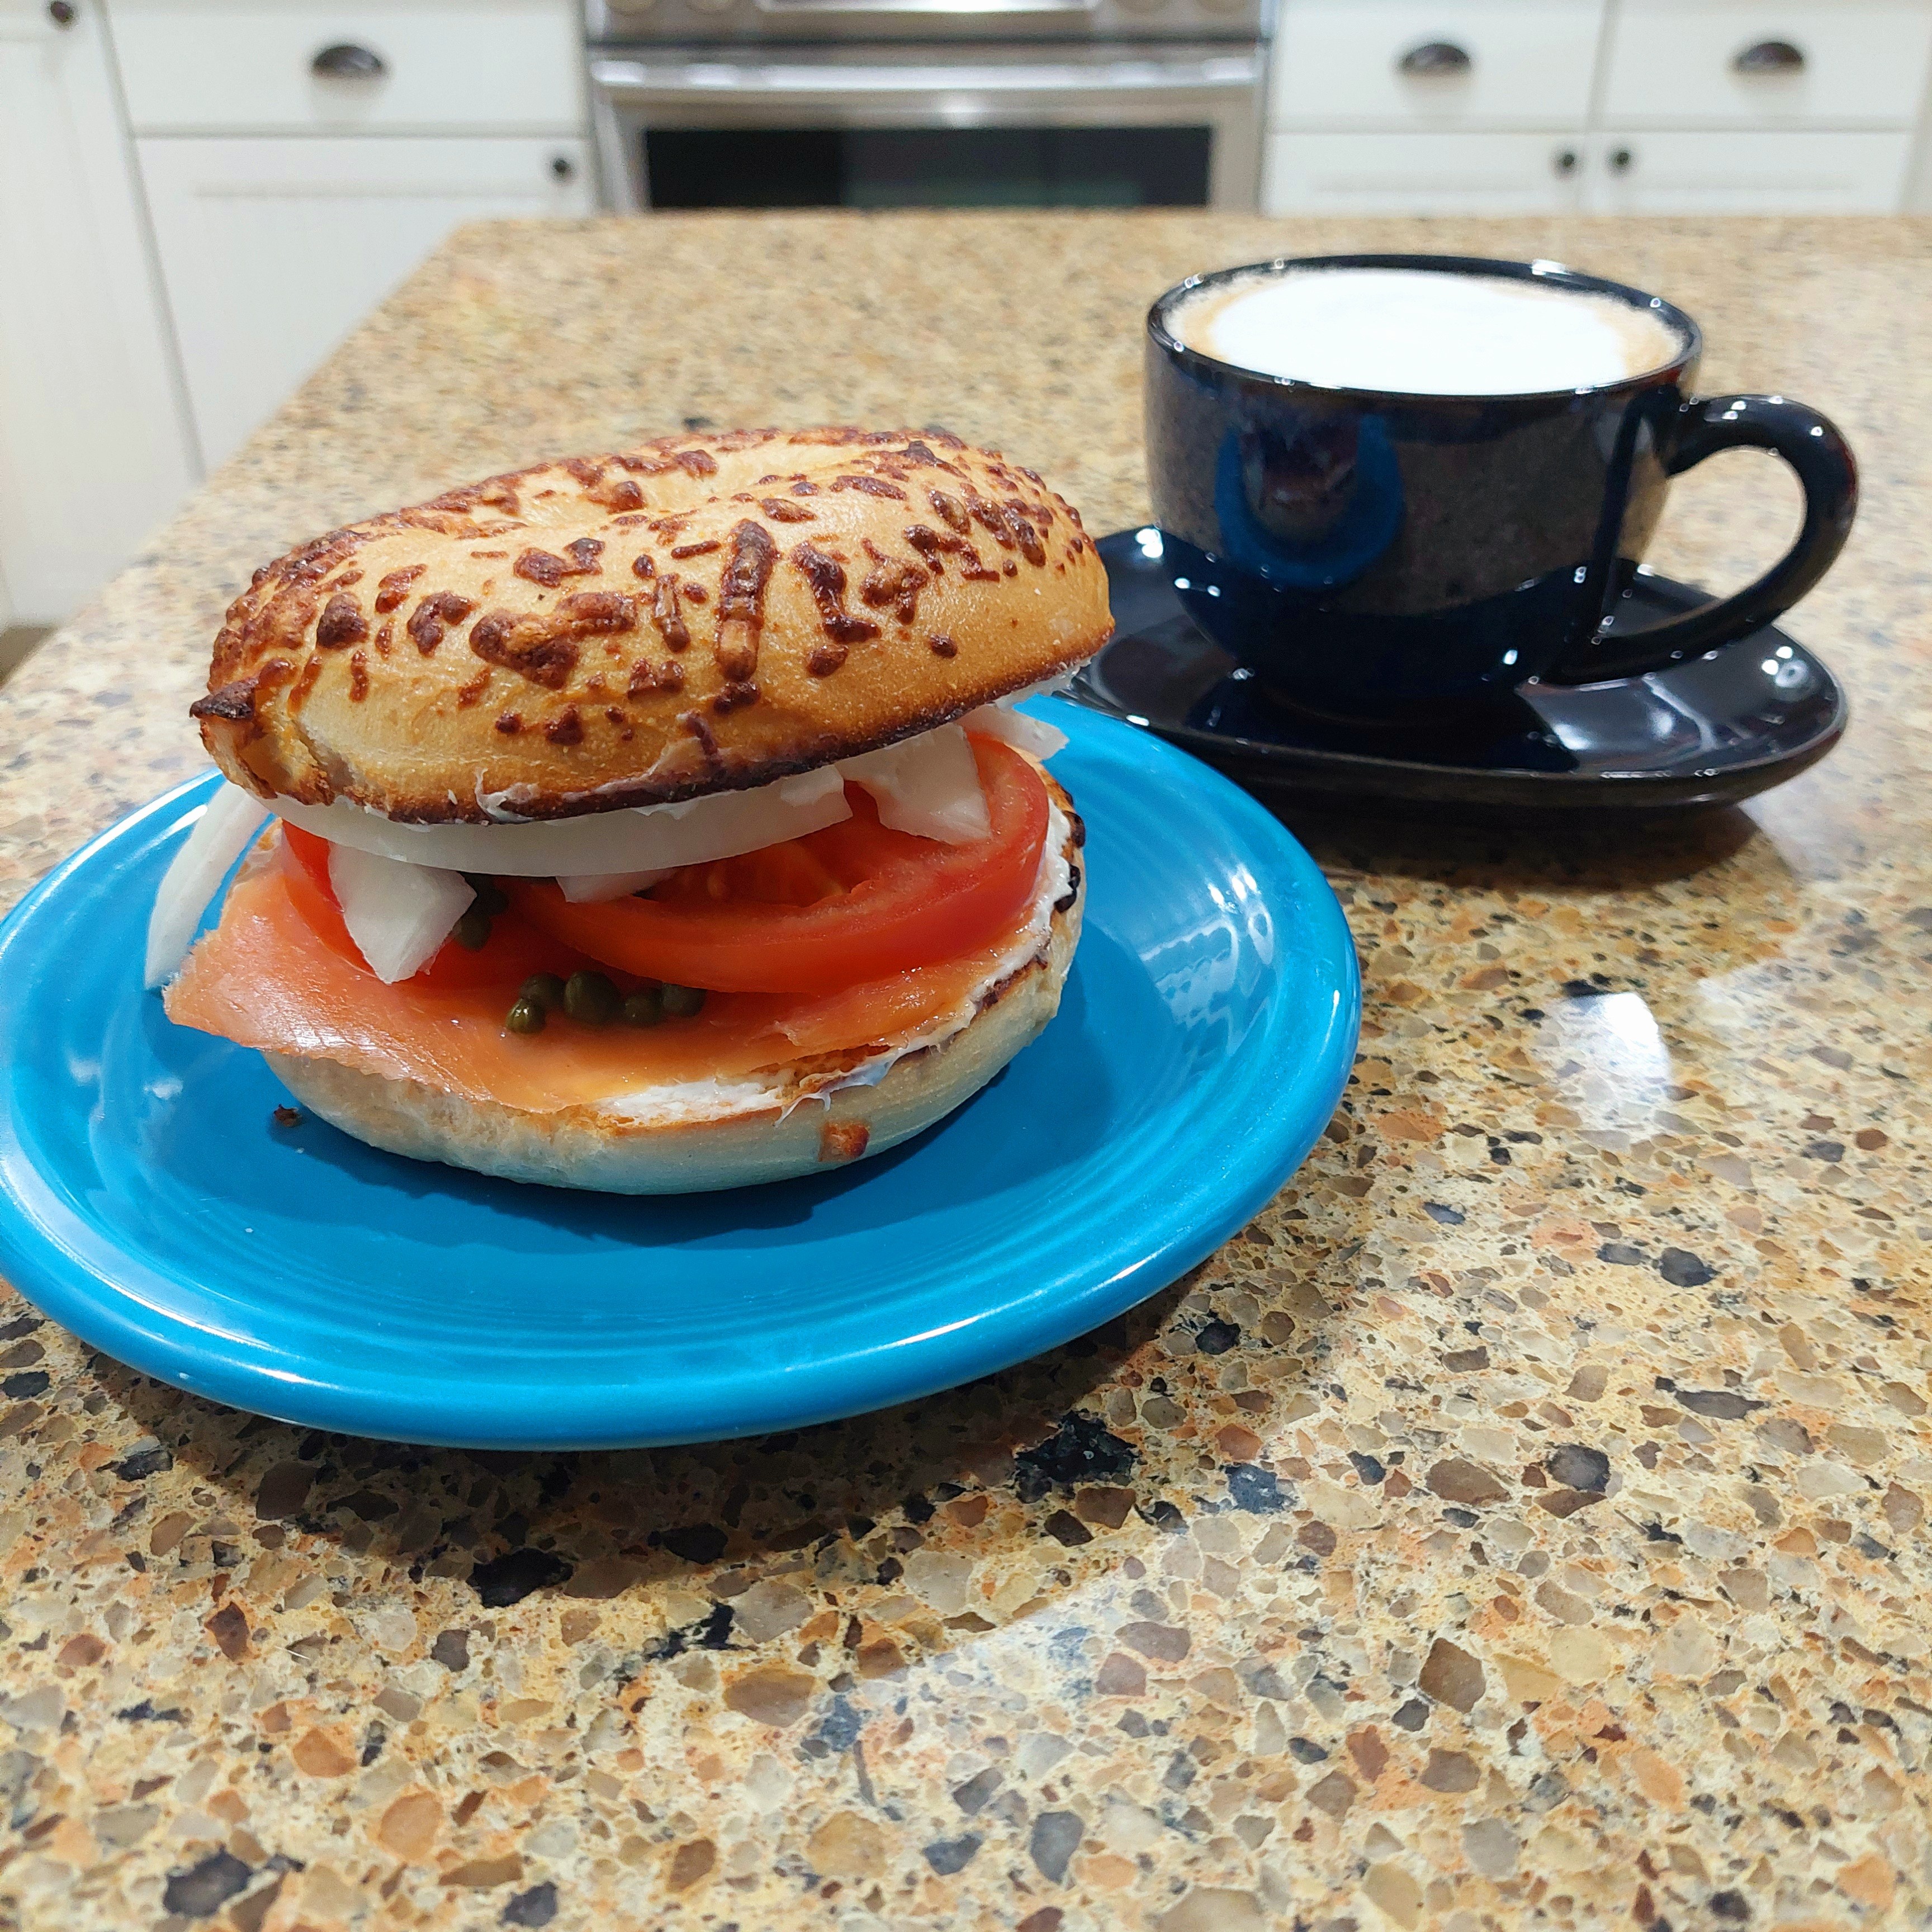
678, 1148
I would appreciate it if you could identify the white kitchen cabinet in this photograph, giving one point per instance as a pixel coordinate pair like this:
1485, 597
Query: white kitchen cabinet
1744, 64
273, 249
1405, 173
407, 66
1668, 106
93, 445
1417, 64
1918, 174
1654, 171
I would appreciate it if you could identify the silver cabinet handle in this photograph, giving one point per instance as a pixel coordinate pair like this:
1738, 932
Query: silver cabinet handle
1435, 59
1769, 57
347, 61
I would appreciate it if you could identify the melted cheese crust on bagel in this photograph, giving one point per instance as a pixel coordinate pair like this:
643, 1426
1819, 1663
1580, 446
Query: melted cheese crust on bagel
699, 614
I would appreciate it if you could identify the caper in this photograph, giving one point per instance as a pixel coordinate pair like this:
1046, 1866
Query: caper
526, 1016
471, 932
681, 1002
645, 1007
591, 999
543, 990
490, 896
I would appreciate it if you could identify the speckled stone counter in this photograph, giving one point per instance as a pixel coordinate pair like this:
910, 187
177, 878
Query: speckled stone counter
1520, 1523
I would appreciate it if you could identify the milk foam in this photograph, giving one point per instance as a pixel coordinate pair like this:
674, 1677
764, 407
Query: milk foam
1423, 331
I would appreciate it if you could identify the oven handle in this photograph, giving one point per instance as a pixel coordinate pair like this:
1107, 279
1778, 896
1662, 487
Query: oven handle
619, 80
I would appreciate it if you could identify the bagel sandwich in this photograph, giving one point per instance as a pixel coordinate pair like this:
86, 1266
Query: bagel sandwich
652, 822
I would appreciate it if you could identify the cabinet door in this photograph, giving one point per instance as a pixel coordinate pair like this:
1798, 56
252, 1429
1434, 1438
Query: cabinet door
1766, 63
93, 448
1748, 173
247, 67
273, 249
1421, 174
1415, 63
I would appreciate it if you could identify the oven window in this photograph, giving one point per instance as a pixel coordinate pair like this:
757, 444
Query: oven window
928, 167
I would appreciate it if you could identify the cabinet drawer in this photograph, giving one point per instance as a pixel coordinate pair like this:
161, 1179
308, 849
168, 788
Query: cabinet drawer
1741, 63
1523, 63
235, 67
1750, 173
1420, 174
272, 250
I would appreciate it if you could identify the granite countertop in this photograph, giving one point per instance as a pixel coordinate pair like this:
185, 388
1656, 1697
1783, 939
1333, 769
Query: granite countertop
1521, 1522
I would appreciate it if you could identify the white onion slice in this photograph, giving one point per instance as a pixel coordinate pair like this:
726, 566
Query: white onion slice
929, 785
398, 914
592, 888
647, 838
228, 822
1024, 734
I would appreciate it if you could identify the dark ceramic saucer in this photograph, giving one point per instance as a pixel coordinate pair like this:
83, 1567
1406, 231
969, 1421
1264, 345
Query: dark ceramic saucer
1710, 731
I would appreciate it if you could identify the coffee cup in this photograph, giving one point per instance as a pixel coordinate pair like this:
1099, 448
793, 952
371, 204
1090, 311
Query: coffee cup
1397, 487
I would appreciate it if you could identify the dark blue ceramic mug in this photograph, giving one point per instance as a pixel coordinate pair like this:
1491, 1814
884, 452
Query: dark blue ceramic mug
1384, 558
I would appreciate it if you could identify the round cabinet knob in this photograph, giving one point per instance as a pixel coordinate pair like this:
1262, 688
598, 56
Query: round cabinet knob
1769, 57
347, 61
1621, 161
1564, 160
563, 167
61, 12
1435, 60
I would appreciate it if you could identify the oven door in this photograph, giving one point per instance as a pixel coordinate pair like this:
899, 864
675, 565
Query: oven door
1171, 125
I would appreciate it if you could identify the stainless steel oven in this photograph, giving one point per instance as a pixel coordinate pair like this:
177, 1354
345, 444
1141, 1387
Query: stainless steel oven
880, 103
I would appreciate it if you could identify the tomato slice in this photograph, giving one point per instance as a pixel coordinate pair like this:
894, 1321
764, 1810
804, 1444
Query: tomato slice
880, 902
513, 951
312, 890
790, 873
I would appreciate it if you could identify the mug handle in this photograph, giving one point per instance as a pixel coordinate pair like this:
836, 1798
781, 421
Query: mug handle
1811, 444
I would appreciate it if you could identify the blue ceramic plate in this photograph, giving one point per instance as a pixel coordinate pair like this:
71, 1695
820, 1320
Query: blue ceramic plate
149, 1203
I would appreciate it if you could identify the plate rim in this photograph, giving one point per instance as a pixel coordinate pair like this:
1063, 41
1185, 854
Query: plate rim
105, 1311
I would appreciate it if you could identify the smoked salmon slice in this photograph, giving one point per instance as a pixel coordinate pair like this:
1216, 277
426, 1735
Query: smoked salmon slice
263, 979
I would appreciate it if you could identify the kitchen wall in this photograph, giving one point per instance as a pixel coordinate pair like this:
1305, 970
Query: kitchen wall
198, 198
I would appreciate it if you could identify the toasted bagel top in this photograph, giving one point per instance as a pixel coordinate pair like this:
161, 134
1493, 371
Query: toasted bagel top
699, 614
